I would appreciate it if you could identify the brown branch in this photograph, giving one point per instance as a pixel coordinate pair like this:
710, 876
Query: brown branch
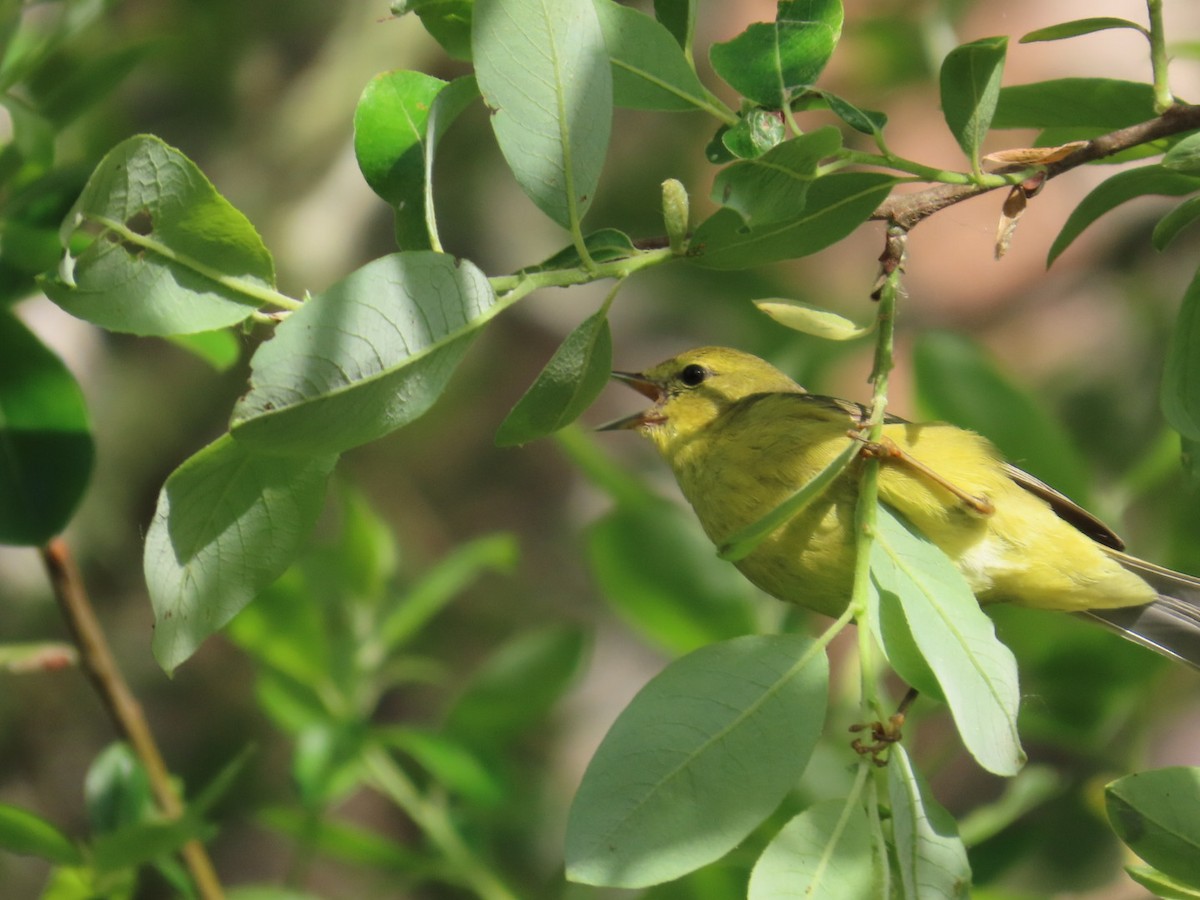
98, 662
909, 210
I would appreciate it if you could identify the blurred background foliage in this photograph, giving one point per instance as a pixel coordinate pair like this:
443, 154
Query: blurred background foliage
261, 95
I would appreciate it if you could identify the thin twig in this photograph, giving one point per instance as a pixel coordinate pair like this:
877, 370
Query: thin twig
908, 210
97, 660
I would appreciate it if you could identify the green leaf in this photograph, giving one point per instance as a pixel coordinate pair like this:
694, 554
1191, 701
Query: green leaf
229, 521
775, 185
570, 381
678, 17
1185, 156
1155, 814
605, 245
448, 21
544, 70
171, 255
515, 687
1175, 221
865, 120
695, 600
957, 382
649, 70
343, 841
770, 62
756, 132
365, 357
932, 860
977, 673
1111, 193
46, 448
390, 129
220, 349
1181, 376
837, 204
451, 764
809, 319
1077, 27
703, 753
30, 835
825, 853
970, 86
1161, 885
144, 842
117, 790
1102, 103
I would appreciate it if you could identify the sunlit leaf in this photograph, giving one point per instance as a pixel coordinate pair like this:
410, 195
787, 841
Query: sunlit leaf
970, 86
1101, 103
648, 66
825, 853
823, 323
1077, 27
931, 858
701, 755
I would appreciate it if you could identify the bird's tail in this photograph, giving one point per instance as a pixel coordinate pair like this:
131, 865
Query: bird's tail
1169, 625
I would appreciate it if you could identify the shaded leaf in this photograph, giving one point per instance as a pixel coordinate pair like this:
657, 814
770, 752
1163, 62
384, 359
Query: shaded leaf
865, 120
117, 790
756, 132
825, 852
46, 448
364, 357
1111, 193
452, 765
1101, 103
702, 754
977, 674
1185, 156
970, 87
229, 521
1175, 221
570, 381
30, 835
932, 860
775, 185
544, 70
1181, 375
678, 17
649, 70
837, 204
448, 21
171, 255
770, 62
143, 842
1155, 814
604, 245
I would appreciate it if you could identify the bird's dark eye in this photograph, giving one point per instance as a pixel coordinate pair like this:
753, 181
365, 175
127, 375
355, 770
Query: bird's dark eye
693, 375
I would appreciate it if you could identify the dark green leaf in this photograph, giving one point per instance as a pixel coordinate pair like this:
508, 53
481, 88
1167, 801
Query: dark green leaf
604, 245
449, 21
117, 789
970, 86
977, 674
837, 204
1102, 103
1181, 376
694, 600
229, 521
571, 380
1155, 814
958, 383
23, 832
390, 128
140, 843
775, 185
46, 445
172, 256
678, 17
1077, 27
701, 755
346, 842
1114, 191
824, 853
544, 71
365, 357
865, 120
649, 70
516, 687
1185, 156
770, 62
1175, 221
932, 860
756, 132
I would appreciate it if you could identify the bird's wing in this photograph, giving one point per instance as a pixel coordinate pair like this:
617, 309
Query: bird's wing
1066, 508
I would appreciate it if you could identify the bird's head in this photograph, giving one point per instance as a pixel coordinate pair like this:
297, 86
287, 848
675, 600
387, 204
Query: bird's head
692, 389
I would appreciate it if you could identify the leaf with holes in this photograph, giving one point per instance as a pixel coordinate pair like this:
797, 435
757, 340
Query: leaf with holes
365, 357
170, 254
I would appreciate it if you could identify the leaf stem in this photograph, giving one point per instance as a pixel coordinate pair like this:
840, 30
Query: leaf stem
528, 282
925, 173
1163, 98
434, 820
251, 289
101, 667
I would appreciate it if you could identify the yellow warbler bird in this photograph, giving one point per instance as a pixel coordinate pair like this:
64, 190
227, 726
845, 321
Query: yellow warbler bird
741, 437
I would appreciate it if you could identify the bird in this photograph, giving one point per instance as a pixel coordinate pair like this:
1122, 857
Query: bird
741, 437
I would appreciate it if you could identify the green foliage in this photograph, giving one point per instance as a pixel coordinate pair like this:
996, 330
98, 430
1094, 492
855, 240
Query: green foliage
714, 773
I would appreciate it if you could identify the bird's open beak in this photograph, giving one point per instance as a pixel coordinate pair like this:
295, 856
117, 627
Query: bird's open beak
646, 388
